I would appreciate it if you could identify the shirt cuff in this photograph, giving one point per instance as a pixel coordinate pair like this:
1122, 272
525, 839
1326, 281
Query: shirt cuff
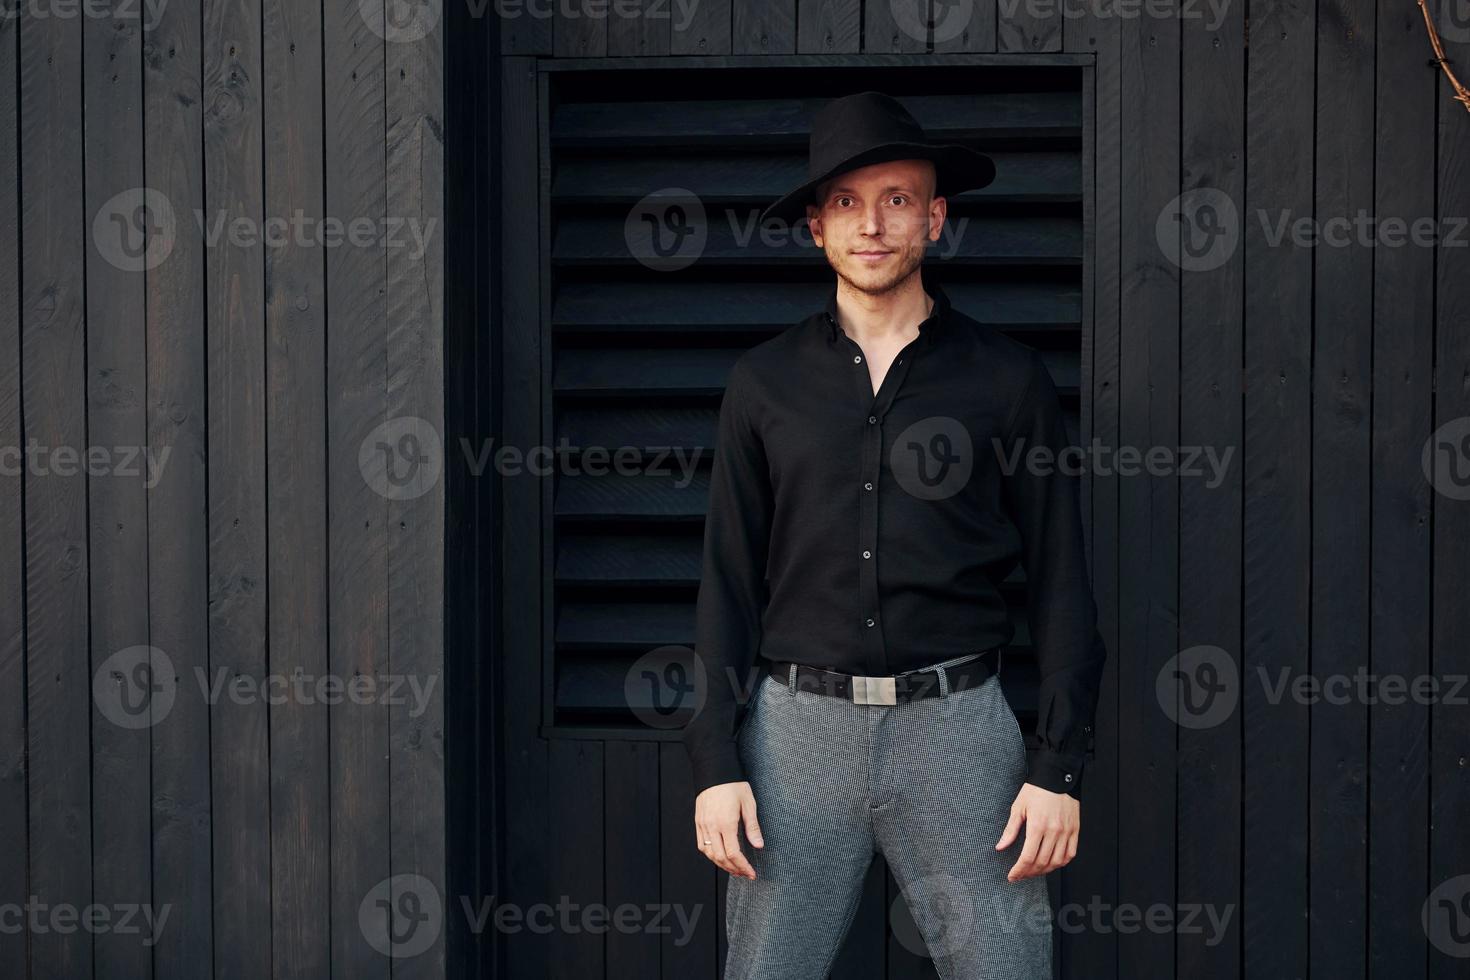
721, 767
1057, 773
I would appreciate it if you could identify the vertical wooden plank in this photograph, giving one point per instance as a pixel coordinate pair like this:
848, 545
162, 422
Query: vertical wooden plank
1148, 518
704, 30
1449, 736
178, 530
828, 26
898, 26
1403, 399
13, 871
632, 846
1212, 348
117, 500
238, 577
525, 29
642, 27
964, 27
1342, 371
1276, 457
357, 505
1031, 26
578, 32
53, 366
1093, 875
415, 350
296, 490
526, 757
688, 879
576, 863
763, 26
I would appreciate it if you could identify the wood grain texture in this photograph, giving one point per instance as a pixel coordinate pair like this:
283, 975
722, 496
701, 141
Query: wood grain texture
358, 535
239, 579
14, 875
296, 490
117, 502
1211, 349
53, 401
1449, 734
1148, 567
414, 305
178, 526
1342, 419
1402, 500
1276, 455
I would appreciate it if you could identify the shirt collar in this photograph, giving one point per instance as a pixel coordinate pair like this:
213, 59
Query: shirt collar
927, 329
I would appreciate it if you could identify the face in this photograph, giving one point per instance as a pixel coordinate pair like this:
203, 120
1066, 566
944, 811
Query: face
875, 222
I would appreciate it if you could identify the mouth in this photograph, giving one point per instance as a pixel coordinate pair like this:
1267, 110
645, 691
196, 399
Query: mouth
872, 255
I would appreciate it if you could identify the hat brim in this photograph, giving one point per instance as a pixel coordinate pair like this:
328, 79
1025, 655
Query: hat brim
957, 168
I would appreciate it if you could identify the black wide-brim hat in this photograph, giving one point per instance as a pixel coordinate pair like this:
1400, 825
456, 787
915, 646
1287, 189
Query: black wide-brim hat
870, 127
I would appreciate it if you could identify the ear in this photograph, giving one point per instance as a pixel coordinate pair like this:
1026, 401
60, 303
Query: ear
814, 222
938, 210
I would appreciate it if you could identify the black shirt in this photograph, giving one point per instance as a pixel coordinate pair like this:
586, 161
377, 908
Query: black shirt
870, 534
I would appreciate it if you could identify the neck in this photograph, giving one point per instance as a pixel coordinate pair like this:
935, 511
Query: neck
896, 311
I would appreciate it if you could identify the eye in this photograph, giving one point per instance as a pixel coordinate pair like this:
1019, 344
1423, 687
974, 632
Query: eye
843, 199
898, 200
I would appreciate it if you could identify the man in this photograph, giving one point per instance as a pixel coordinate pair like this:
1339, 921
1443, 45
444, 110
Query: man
873, 484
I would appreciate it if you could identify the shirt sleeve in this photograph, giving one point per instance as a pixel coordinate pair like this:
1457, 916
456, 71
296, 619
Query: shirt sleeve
1041, 488
732, 589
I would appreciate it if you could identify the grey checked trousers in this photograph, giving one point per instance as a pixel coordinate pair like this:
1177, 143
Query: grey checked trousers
928, 784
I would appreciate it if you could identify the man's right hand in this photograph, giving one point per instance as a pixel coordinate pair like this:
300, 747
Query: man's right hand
718, 813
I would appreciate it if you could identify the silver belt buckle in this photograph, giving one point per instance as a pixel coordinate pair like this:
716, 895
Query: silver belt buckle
875, 690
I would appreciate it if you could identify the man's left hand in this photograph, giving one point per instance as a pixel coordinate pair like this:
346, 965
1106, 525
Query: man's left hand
1053, 821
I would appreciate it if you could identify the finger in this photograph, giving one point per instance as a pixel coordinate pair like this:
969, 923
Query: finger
1013, 826
752, 826
1026, 864
715, 848
737, 862
1052, 849
1072, 846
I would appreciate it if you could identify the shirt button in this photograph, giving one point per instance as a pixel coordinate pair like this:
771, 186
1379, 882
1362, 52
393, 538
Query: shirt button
872, 419
867, 554
857, 359
1068, 777
870, 622
867, 486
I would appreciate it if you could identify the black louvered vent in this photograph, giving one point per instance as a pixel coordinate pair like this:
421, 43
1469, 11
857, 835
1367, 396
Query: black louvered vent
640, 353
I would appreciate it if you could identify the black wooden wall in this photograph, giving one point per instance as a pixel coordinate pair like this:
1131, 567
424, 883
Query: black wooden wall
262, 549
1318, 830
1321, 828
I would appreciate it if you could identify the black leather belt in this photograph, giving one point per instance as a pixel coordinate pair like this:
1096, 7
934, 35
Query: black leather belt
892, 688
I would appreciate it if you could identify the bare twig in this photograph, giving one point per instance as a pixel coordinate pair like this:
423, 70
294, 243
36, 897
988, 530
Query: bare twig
1462, 95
